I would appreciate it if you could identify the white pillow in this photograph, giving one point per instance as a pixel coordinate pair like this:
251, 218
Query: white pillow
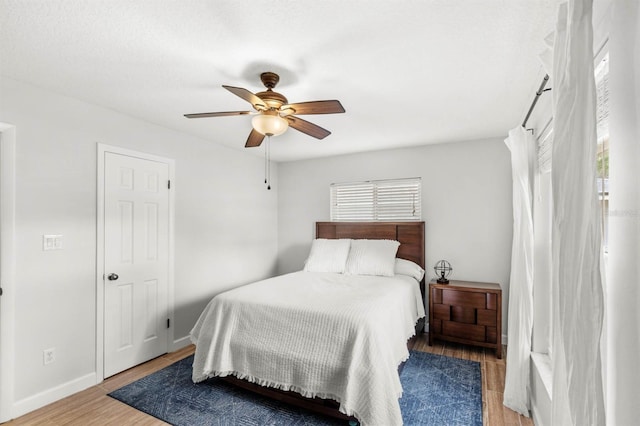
407, 267
327, 255
372, 257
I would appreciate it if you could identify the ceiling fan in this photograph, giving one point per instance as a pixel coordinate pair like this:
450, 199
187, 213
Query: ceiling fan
274, 113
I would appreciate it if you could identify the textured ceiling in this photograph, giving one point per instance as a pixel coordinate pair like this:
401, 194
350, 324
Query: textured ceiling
407, 72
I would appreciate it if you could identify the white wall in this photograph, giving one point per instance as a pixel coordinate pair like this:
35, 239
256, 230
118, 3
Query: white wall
466, 204
225, 226
622, 374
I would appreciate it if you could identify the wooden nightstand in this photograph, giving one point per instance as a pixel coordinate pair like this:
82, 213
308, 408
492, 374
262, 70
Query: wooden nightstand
466, 312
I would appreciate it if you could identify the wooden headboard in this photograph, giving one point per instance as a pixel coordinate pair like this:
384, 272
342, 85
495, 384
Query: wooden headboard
409, 234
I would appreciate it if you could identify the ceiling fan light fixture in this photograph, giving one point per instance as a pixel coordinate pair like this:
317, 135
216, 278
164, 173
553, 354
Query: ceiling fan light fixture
269, 124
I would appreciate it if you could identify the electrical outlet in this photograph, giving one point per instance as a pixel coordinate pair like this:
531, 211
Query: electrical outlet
51, 242
49, 355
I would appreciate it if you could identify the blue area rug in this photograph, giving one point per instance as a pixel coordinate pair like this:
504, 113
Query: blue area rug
437, 390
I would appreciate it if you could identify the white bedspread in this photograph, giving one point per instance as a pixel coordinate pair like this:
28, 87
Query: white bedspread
319, 334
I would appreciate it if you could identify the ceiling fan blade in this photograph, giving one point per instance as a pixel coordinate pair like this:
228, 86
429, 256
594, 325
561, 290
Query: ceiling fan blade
255, 139
315, 107
216, 114
307, 127
254, 100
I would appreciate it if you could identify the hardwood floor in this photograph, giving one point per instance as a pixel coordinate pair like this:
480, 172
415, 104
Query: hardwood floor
93, 407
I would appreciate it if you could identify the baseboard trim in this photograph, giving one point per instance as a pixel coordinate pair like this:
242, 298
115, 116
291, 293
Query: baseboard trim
54, 394
181, 343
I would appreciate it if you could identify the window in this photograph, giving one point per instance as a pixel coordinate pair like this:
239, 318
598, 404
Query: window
602, 156
543, 315
380, 200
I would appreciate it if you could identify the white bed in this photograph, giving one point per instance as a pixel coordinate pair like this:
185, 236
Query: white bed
335, 336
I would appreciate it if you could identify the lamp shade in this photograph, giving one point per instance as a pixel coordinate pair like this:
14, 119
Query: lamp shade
269, 124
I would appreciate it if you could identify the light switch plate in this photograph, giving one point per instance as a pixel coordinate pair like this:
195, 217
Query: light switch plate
51, 242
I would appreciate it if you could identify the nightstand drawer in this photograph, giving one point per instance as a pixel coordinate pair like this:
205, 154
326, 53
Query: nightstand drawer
492, 335
464, 331
442, 312
462, 298
463, 315
487, 317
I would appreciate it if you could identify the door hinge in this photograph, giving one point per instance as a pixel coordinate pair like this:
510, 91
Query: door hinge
168, 322
1, 291
168, 184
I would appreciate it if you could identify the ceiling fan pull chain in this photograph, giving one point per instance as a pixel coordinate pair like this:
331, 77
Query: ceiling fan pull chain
265, 163
269, 162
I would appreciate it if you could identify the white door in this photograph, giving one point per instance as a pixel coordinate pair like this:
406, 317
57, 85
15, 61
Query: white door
136, 261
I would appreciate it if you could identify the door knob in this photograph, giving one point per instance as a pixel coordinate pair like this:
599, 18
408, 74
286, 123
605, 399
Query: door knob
112, 277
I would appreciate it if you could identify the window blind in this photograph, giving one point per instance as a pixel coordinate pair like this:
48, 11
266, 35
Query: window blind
602, 94
381, 200
545, 145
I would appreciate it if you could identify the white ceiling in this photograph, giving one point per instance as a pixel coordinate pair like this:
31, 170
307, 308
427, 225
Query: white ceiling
407, 72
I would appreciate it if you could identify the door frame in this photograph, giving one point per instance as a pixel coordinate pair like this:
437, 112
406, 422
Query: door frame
7, 268
103, 149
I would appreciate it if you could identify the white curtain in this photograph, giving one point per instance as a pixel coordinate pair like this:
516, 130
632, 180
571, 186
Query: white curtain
623, 271
516, 388
577, 248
